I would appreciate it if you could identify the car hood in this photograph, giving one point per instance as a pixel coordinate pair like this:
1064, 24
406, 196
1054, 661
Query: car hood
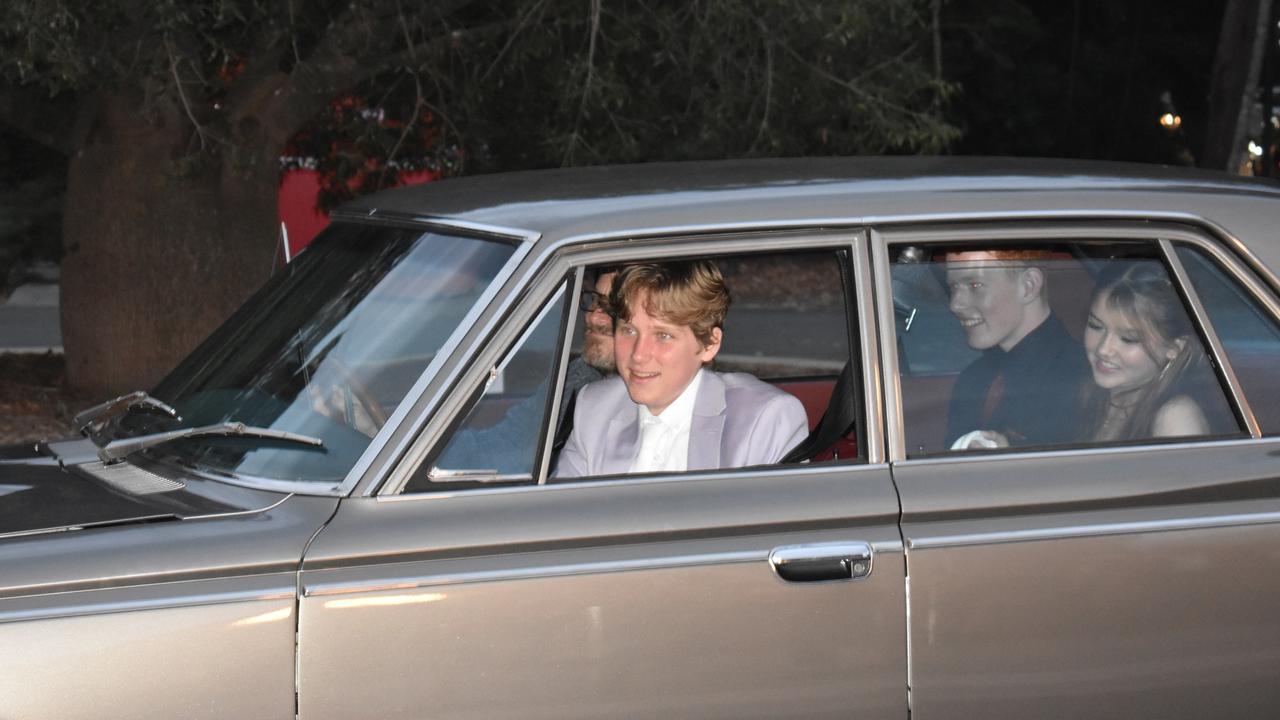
43, 491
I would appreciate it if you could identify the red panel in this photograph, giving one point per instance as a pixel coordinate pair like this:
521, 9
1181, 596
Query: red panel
296, 203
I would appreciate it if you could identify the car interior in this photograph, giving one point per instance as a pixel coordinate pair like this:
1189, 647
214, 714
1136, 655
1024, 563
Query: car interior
932, 350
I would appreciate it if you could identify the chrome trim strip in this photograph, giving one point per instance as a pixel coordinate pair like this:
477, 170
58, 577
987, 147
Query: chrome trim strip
88, 526
557, 391
238, 513
587, 568
142, 519
893, 419
867, 323
892, 222
369, 468
338, 588
1215, 343
88, 607
1102, 529
619, 247
437, 221
728, 475
1070, 453
906, 597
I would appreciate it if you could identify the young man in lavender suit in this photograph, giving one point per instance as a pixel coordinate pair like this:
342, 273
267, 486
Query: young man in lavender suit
664, 411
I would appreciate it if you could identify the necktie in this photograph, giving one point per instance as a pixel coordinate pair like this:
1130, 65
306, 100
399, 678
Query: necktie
995, 393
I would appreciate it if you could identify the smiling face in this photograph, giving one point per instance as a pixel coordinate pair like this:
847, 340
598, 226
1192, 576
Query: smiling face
656, 358
1121, 356
996, 302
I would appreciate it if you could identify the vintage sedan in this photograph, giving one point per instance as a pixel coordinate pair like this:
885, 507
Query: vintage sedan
344, 504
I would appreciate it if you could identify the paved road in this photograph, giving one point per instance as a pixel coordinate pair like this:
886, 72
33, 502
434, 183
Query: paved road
29, 320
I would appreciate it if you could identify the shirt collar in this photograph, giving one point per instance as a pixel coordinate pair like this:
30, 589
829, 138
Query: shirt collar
679, 414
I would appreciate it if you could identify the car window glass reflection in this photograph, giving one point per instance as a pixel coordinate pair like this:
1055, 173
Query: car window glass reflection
328, 349
1248, 333
498, 439
786, 325
1069, 345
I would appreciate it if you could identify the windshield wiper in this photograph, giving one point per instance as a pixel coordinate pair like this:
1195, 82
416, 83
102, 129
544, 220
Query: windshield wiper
99, 414
119, 449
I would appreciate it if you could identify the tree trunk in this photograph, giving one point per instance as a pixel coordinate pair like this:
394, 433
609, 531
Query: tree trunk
156, 256
1241, 42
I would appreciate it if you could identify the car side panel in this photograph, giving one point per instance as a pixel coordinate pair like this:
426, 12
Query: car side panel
207, 649
1110, 584
171, 619
646, 599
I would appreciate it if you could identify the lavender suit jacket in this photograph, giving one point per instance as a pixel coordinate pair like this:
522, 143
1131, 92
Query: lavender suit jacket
738, 421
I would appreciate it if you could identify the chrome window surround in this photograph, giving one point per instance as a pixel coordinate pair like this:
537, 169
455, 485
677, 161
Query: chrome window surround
1215, 343
562, 364
557, 265
867, 323
1065, 230
892, 422
922, 219
382, 463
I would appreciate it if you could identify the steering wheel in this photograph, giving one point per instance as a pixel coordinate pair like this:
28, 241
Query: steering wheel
339, 394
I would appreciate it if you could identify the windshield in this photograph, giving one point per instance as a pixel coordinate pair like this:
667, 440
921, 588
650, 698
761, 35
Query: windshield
327, 349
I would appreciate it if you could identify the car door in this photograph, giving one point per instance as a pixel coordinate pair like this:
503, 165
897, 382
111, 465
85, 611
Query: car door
1129, 578
699, 594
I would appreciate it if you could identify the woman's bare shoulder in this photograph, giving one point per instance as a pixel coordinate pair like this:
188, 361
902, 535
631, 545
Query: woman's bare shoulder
1181, 415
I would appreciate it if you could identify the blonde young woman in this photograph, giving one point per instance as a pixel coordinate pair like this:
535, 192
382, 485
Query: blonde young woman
1147, 363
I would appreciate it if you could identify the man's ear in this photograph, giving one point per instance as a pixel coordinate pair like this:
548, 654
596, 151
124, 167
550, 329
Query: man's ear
709, 351
1031, 284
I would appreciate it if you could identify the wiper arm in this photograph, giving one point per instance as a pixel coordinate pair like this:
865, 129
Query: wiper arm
101, 413
119, 449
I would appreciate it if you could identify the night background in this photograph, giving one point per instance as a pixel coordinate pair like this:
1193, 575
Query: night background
143, 146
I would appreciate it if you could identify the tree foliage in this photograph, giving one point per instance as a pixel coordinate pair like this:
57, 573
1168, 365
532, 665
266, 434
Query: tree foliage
1080, 79
175, 113
532, 84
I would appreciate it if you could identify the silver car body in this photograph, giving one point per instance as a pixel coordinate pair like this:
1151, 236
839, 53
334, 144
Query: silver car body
1125, 581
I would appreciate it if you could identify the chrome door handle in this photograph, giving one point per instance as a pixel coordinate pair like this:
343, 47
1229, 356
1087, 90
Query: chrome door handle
822, 561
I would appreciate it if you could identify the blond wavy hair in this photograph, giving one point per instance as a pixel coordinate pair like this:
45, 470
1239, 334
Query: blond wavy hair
685, 292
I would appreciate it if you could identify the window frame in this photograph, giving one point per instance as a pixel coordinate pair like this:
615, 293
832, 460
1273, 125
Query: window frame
1163, 237
573, 262
544, 312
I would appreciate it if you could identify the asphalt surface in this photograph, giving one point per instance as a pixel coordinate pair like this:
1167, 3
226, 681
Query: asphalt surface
29, 320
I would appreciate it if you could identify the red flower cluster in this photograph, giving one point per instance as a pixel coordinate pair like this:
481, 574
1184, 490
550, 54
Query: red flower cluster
358, 148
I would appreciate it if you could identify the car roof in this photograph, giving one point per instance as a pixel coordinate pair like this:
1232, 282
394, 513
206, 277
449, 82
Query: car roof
579, 203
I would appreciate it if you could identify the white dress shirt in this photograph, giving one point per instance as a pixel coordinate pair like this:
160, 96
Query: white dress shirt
664, 439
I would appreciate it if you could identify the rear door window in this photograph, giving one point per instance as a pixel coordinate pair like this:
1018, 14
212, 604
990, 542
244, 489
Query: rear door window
1248, 332
1038, 344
